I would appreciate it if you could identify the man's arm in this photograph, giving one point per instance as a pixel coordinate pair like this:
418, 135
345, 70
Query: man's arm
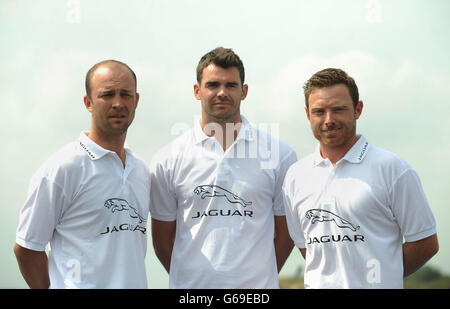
34, 267
283, 242
417, 253
303, 252
163, 235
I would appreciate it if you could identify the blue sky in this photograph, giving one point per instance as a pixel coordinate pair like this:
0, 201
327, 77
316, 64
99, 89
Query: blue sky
396, 50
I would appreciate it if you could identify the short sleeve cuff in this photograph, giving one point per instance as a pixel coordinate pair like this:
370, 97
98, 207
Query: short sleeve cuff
166, 218
420, 235
279, 212
299, 244
30, 244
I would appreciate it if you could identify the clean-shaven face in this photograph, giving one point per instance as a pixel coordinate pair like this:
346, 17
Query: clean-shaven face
332, 116
113, 99
220, 93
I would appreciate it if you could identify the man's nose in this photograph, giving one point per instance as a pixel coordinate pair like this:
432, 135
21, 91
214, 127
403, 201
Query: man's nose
329, 119
117, 102
222, 92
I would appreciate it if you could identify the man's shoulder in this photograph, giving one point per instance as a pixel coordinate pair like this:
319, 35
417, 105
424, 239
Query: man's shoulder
270, 141
385, 158
65, 160
304, 163
66, 156
139, 161
174, 149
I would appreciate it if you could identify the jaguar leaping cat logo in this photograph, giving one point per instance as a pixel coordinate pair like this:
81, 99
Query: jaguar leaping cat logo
320, 215
118, 204
213, 190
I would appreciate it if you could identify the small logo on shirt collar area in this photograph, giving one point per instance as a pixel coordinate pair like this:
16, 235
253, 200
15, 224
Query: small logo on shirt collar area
87, 150
363, 151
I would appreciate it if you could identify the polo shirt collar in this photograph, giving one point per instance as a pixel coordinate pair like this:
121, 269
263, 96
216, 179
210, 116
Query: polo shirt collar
317, 157
246, 132
93, 150
355, 155
358, 151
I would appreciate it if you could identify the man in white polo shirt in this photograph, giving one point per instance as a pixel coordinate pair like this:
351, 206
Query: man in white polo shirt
350, 204
90, 200
217, 211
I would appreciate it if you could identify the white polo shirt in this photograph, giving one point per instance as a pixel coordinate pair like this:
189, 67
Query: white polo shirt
93, 212
224, 204
352, 217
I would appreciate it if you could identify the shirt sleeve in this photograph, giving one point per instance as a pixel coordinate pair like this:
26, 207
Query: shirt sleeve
411, 208
278, 204
292, 215
163, 202
40, 214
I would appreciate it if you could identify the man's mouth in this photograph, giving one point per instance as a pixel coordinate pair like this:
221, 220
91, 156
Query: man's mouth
222, 103
331, 130
117, 116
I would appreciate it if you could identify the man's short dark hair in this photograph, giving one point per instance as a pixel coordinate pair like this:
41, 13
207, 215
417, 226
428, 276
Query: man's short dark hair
222, 57
96, 66
330, 77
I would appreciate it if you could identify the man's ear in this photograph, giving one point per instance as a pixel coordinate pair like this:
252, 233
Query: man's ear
87, 103
137, 100
307, 112
197, 91
358, 109
244, 91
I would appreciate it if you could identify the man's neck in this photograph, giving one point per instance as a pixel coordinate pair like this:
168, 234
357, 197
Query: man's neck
225, 132
113, 143
334, 154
